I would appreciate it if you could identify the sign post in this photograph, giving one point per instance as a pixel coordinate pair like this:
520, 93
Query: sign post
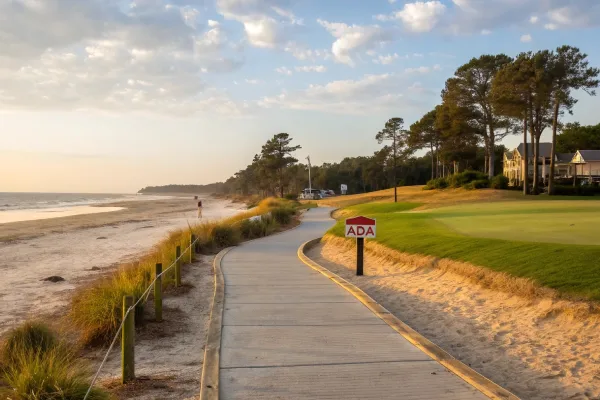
360, 228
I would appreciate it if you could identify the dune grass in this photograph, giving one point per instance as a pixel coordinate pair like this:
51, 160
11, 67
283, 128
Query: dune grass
571, 269
36, 365
96, 310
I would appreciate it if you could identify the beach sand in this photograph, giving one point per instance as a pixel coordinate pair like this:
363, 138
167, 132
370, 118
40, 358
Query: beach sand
527, 346
71, 247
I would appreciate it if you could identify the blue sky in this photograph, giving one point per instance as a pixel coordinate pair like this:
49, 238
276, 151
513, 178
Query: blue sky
110, 96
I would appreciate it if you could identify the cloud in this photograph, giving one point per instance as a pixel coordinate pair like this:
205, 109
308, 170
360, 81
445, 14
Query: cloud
422, 69
486, 32
418, 16
267, 23
526, 38
283, 71
311, 68
534, 19
387, 59
60, 54
351, 39
371, 93
303, 53
253, 81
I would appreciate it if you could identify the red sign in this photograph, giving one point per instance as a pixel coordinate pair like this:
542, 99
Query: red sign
361, 227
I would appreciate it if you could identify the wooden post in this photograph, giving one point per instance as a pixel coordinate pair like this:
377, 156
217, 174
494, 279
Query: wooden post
128, 341
360, 252
192, 247
178, 266
158, 293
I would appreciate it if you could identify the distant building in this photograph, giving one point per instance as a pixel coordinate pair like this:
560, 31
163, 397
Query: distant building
585, 164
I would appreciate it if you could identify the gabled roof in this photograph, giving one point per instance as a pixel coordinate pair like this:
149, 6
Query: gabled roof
508, 155
545, 150
564, 157
590, 155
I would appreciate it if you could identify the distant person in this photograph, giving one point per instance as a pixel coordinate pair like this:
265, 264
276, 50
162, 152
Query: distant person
200, 209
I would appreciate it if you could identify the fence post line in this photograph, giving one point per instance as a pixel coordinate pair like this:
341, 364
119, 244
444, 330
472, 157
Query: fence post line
158, 293
192, 247
128, 341
178, 266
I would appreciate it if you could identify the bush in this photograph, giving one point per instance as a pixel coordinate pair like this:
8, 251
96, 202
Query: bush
585, 190
30, 338
499, 182
438, 183
291, 197
465, 177
478, 184
225, 236
283, 215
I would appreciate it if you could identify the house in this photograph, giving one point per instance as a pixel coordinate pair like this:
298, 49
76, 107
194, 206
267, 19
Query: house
513, 163
587, 164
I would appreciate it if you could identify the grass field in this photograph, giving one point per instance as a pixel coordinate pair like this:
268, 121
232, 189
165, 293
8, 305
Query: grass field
551, 242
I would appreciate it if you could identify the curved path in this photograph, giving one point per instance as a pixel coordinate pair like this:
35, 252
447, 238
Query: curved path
290, 333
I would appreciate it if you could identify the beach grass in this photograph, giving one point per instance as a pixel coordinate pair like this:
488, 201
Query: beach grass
525, 239
96, 310
36, 365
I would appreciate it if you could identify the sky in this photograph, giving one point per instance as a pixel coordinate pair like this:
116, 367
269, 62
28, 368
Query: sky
112, 95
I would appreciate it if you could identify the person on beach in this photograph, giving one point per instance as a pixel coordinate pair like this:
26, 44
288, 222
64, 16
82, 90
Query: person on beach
200, 209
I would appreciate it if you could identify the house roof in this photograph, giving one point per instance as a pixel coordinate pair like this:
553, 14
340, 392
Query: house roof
564, 157
590, 155
545, 150
508, 155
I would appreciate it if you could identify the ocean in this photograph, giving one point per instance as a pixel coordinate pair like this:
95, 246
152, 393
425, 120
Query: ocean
36, 201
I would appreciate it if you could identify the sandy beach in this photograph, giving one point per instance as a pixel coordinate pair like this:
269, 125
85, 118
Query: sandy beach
78, 248
529, 346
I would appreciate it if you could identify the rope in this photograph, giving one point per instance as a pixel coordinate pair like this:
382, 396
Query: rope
147, 294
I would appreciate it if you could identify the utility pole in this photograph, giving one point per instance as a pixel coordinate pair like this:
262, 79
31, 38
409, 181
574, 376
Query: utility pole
309, 180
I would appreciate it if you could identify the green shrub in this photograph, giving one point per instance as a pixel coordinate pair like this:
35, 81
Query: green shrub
499, 182
438, 183
283, 215
29, 338
465, 177
225, 236
579, 190
478, 184
291, 197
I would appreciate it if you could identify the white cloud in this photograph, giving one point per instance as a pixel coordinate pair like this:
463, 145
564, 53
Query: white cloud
253, 81
366, 95
422, 69
283, 71
267, 23
303, 53
486, 32
351, 39
526, 38
419, 16
311, 68
387, 59
60, 54
534, 19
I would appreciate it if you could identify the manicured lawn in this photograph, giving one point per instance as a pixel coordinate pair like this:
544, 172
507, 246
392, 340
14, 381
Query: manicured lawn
503, 236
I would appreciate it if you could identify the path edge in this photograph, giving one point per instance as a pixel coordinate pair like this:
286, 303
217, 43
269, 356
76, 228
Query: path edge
472, 377
209, 382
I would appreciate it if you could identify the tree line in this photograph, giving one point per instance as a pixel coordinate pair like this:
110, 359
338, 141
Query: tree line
486, 99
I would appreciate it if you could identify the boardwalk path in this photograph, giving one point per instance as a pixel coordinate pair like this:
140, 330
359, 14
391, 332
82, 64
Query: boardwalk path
291, 333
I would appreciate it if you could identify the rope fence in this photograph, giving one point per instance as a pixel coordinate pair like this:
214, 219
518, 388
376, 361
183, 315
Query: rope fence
130, 309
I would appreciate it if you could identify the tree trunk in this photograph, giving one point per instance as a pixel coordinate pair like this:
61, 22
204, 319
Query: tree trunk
536, 172
525, 161
432, 162
492, 151
553, 151
485, 163
394, 172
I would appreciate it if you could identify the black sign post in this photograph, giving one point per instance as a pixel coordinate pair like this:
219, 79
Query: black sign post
360, 255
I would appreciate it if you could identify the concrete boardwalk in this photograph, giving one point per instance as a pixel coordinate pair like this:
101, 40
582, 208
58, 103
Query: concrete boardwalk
290, 333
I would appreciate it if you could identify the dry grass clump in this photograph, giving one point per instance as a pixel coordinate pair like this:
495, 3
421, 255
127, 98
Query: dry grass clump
96, 310
36, 365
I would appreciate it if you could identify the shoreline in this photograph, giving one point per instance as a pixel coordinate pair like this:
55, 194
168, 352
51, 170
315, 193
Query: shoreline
82, 248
